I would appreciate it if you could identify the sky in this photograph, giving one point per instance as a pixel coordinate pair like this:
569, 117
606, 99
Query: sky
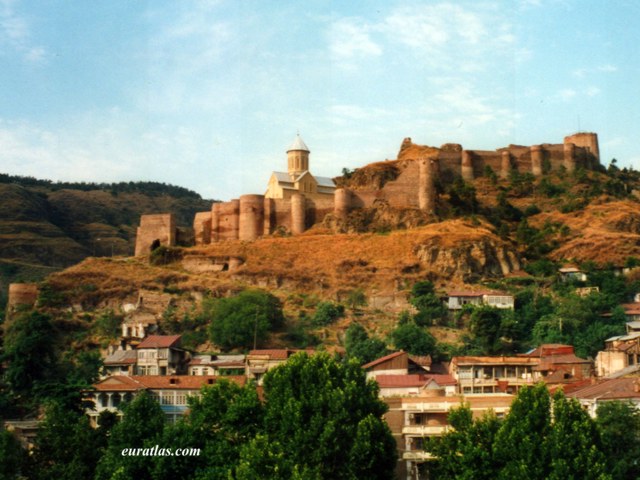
208, 95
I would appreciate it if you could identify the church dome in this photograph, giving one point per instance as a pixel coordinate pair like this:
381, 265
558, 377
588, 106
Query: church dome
298, 144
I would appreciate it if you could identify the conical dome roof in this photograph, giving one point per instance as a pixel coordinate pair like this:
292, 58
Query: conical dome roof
298, 144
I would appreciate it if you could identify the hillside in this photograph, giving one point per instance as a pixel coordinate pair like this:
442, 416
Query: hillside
47, 226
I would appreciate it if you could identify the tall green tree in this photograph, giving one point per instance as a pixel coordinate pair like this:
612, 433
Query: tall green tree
322, 418
413, 339
66, 447
359, 345
221, 420
29, 354
430, 308
12, 457
619, 425
468, 451
142, 426
531, 443
241, 321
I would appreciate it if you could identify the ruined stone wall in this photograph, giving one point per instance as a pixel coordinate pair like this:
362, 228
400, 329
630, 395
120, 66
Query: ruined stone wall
228, 220
202, 228
160, 228
21, 295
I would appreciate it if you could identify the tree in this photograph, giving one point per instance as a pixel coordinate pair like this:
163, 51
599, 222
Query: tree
413, 339
360, 346
66, 447
29, 353
327, 313
223, 418
530, 443
243, 320
493, 330
322, 420
12, 456
429, 306
619, 425
466, 452
141, 426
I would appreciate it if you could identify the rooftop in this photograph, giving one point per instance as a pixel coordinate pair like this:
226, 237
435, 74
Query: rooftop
119, 383
298, 144
160, 341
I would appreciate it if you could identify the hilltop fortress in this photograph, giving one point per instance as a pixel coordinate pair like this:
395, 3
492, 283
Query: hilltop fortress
296, 200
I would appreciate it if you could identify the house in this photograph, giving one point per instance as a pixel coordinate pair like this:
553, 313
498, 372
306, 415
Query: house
622, 389
397, 363
259, 362
559, 365
571, 273
217, 365
457, 299
631, 311
586, 291
476, 374
414, 419
620, 352
120, 362
171, 392
410, 385
25, 431
161, 355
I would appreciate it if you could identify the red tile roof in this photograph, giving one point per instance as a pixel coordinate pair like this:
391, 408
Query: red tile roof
279, 354
160, 341
613, 389
383, 359
119, 383
413, 380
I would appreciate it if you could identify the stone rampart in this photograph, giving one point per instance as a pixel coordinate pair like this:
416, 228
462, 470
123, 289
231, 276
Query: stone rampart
157, 229
21, 295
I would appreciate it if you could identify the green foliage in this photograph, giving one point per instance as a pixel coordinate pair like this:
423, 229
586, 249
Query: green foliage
326, 417
619, 425
521, 184
462, 197
107, 324
13, 457
142, 426
360, 346
493, 330
490, 174
356, 299
467, 451
327, 313
413, 339
529, 444
548, 189
66, 447
222, 419
241, 321
29, 353
531, 210
163, 255
430, 308
154, 189
542, 268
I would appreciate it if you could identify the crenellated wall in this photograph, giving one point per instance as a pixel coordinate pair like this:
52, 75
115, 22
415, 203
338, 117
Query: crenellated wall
252, 216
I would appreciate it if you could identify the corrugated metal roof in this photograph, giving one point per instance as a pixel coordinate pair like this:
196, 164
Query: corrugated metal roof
298, 144
160, 341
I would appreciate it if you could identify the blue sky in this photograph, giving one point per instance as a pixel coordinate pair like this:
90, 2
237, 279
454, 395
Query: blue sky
209, 94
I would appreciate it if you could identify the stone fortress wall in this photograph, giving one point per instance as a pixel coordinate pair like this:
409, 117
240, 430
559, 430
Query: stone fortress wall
253, 216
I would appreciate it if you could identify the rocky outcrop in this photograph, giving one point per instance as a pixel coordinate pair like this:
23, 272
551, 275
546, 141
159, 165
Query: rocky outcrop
468, 261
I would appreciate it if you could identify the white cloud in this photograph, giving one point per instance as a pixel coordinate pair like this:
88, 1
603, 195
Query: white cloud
349, 38
15, 34
567, 94
592, 91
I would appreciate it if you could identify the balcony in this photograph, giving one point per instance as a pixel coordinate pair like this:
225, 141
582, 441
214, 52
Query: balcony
425, 430
431, 406
416, 455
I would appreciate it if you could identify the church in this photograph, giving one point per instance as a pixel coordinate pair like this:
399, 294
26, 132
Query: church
298, 178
